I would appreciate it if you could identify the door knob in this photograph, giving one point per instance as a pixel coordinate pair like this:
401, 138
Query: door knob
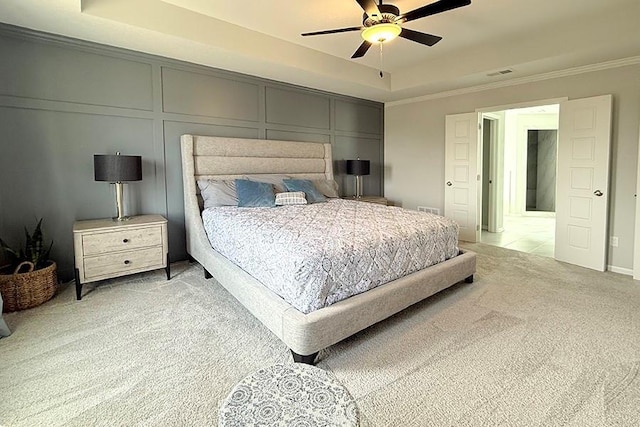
449, 183
598, 193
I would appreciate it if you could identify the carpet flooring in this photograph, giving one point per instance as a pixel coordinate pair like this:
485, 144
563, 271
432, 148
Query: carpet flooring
532, 342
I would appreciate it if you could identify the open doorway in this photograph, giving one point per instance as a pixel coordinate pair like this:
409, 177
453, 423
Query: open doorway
582, 184
519, 164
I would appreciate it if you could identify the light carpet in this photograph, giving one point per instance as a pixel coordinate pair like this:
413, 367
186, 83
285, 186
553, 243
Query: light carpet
533, 342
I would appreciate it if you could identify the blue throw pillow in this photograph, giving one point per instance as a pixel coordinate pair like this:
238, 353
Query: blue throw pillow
253, 194
310, 190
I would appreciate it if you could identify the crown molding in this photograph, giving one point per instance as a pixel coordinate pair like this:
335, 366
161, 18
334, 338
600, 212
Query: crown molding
633, 60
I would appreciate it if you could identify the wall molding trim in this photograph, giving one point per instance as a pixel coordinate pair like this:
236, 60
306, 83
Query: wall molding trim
620, 270
69, 99
616, 63
23, 33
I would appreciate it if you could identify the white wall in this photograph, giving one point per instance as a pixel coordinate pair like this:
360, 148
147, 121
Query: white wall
414, 142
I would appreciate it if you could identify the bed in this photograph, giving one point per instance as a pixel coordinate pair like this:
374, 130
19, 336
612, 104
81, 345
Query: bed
205, 157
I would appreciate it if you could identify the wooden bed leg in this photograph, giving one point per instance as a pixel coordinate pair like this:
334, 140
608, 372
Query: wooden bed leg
469, 279
207, 275
309, 359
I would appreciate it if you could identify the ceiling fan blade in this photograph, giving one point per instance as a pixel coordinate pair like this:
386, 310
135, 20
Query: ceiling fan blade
432, 9
364, 47
370, 7
339, 30
418, 37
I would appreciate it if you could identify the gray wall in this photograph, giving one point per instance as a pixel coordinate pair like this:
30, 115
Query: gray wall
546, 174
63, 100
532, 170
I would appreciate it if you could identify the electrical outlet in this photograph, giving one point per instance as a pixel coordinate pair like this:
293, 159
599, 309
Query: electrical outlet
614, 241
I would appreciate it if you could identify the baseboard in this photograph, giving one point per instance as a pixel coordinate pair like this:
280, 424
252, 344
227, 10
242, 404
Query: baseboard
621, 270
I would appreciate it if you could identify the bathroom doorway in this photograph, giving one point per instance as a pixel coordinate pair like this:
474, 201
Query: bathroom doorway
519, 153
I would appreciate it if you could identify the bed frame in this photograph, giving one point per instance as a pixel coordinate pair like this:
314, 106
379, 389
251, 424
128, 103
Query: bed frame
305, 334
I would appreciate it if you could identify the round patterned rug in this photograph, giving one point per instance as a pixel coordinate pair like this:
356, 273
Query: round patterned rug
296, 395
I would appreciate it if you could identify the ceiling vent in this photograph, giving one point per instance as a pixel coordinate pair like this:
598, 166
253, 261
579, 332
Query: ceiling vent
501, 72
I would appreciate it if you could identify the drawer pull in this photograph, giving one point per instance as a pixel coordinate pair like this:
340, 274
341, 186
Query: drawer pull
126, 261
125, 240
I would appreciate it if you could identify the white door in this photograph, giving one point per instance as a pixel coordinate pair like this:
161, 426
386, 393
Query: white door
582, 191
462, 194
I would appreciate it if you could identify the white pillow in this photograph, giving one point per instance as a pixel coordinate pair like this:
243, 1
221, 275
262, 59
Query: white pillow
328, 187
218, 193
291, 198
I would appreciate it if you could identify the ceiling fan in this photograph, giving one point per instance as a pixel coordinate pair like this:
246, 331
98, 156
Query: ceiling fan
383, 22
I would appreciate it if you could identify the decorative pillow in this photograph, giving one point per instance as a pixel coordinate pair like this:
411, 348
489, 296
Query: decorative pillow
218, 193
273, 179
313, 195
290, 198
253, 194
328, 187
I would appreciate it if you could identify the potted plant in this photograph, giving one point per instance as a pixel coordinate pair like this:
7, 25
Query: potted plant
30, 279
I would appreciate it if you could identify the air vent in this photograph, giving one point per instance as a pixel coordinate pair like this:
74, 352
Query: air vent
434, 211
501, 72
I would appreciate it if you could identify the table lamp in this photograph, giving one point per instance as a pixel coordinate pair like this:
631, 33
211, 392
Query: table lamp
359, 168
117, 169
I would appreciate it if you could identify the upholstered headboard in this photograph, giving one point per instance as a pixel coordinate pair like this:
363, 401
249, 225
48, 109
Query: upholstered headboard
209, 157
229, 158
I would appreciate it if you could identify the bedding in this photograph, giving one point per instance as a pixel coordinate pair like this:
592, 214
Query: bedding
307, 187
291, 198
315, 255
217, 192
277, 180
220, 158
328, 187
255, 194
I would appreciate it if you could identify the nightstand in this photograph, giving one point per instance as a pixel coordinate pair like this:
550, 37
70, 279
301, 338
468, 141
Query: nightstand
105, 248
369, 199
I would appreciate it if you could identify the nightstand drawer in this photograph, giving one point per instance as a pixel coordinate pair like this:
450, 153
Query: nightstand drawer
102, 243
123, 262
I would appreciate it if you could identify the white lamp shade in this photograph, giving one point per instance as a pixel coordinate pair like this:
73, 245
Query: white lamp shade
380, 33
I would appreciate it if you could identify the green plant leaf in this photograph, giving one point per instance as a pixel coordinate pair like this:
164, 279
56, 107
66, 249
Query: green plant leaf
12, 255
35, 249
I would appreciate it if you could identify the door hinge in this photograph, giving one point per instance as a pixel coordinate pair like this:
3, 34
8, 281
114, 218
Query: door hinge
480, 126
478, 177
478, 227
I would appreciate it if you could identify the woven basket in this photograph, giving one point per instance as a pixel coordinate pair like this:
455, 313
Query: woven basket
26, 290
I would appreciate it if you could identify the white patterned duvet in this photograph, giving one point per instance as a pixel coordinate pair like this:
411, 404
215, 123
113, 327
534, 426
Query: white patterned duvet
315, 255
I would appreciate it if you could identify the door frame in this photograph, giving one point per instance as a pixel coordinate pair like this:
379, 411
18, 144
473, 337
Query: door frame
536, 103
495, 172
636, 243
491, 111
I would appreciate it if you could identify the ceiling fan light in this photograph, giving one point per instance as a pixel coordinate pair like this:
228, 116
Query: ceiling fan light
381, 33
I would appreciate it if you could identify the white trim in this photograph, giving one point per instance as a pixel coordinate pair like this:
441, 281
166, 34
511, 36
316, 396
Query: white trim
489, 115
621, 270
522, 80
636, 242
525, 104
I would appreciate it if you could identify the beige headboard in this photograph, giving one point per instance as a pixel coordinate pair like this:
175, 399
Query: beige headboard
229, 158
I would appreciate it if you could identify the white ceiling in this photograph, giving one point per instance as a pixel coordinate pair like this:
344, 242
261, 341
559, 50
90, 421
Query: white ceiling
262, 38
